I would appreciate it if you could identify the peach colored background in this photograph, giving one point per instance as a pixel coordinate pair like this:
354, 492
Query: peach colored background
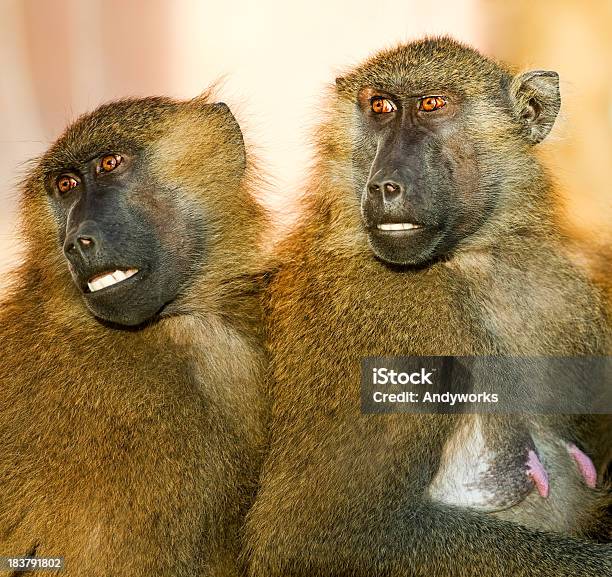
60, 58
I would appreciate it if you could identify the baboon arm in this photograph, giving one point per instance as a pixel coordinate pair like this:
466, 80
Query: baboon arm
429, 541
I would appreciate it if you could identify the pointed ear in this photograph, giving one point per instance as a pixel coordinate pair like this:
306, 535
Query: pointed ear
536, 101
233, 129
225, 127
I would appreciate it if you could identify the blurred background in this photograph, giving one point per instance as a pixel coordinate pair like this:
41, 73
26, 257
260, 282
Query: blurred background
60, 58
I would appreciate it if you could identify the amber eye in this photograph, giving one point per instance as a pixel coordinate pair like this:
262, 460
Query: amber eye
66, 182
382, 105
110, 162
431, 103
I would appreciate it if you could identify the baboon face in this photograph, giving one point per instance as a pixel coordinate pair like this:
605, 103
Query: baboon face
133, 230
434, 140
408, 204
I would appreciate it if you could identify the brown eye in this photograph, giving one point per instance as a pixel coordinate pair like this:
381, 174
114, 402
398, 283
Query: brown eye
110, 162
66, 182
431, 103
382, 105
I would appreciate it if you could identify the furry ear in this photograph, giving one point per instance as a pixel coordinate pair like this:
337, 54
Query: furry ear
205, 109
536, 101
233, 128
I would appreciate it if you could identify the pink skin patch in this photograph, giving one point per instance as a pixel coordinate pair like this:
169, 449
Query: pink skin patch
585, 465
538, 474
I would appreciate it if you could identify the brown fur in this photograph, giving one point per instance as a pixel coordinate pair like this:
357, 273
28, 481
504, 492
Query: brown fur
342, 493
135, 451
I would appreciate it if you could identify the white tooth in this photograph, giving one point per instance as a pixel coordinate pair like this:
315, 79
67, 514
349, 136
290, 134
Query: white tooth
111, 279
107, 280
97, 285
398, 226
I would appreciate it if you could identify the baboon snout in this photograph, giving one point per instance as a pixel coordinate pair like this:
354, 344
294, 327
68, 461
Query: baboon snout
83, 241
389, 189
387, 185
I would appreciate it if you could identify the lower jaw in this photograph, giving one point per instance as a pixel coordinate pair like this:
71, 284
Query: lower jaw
404, 249
127, 318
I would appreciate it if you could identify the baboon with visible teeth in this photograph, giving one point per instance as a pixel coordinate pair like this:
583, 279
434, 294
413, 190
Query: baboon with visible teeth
427, 229
132, 414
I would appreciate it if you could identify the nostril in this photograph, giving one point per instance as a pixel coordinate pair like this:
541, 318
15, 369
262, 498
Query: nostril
85, 241
392, 188
374, 188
